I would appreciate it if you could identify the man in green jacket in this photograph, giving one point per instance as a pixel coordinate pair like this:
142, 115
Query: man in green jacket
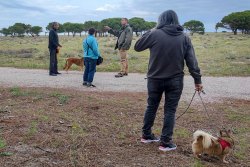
125, 36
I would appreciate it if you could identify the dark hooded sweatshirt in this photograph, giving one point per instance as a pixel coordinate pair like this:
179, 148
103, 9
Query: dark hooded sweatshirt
169, 47
53, 39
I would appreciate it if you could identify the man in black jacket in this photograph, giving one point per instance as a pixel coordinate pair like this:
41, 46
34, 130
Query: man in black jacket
169, 49
53, 49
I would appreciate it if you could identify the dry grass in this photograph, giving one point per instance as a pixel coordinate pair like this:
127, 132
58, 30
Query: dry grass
56, 127
219, 54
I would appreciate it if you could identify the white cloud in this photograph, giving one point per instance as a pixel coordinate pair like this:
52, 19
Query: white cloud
107, 7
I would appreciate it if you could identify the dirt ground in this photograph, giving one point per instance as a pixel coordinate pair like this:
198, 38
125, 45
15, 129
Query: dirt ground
65, 128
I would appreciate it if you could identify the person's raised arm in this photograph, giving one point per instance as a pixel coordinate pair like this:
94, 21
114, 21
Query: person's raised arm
111, 31
144, 42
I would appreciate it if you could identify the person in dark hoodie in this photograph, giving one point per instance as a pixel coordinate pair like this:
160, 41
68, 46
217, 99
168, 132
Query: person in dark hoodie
54, 47
169, 49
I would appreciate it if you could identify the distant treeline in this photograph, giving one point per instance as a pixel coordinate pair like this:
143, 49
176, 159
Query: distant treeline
20, 29
238, 21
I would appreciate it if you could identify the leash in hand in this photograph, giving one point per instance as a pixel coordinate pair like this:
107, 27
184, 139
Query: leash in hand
191, 103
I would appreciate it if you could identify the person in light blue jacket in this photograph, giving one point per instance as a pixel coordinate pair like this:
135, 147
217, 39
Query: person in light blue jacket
91, 54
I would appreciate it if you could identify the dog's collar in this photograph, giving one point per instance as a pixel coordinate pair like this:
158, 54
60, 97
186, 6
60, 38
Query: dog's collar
224, 144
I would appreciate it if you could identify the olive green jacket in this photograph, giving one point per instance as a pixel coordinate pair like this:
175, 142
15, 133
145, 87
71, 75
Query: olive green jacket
125, 36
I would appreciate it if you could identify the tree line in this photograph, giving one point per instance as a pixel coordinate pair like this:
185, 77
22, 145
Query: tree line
237, 21
20, 29
138, 25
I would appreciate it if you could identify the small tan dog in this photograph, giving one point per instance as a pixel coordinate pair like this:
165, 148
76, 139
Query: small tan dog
213, 146
72, 60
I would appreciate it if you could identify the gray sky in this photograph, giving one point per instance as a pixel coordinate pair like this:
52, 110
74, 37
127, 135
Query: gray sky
41, 12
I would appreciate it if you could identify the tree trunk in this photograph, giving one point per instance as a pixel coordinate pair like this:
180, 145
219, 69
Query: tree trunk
68, 34
235, 32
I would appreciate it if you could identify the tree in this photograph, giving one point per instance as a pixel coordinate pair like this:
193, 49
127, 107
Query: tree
90, 24
36, 30
67, 27
19, 29
149, 25
237, 21
76, 28
194, 26
114, 23
60, 30
27, 29
219, 25
6, 31
138, 24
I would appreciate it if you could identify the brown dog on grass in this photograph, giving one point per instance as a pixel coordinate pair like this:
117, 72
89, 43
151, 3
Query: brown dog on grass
72, 60
214, 146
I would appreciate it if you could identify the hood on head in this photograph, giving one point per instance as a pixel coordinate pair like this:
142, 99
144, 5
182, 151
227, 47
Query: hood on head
173, 30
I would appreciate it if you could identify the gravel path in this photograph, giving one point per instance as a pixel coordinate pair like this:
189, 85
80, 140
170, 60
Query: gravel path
215, 87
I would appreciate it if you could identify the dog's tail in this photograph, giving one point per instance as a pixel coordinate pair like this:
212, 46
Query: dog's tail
66, 62
206, 138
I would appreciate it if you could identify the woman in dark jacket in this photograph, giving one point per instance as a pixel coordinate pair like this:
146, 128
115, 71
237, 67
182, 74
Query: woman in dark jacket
169, 49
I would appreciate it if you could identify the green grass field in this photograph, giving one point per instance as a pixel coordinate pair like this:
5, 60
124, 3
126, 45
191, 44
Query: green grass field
219, 54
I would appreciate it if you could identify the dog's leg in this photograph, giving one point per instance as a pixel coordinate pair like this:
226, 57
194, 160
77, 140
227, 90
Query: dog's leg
197, 155
65, 66
69, 65
224, 159
67, 69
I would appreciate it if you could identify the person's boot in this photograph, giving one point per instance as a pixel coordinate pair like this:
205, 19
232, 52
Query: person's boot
53, 74
89, 84
119, 75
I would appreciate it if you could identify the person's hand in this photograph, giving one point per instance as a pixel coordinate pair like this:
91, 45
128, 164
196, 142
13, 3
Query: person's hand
198, 87
58, 47
107, 28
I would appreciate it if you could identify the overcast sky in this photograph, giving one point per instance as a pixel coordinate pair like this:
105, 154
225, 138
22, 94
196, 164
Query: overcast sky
41, 12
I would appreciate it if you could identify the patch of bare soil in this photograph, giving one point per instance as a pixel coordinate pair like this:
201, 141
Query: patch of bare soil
56, 127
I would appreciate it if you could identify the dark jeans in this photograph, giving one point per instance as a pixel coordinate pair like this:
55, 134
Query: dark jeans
53, 62
173, 90
90, 69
